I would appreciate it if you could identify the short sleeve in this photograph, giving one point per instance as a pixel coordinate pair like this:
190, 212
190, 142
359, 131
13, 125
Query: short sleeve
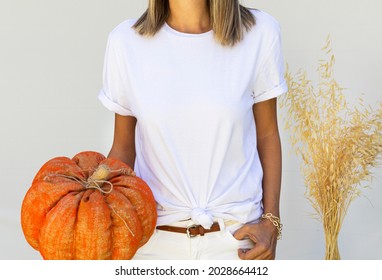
114, 94
269, 81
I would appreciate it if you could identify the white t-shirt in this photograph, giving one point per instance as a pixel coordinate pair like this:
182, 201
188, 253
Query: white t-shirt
195, 133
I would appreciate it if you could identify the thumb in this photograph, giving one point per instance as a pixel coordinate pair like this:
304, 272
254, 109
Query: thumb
241, 233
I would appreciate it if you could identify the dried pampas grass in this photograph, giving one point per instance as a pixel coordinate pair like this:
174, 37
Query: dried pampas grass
338, 146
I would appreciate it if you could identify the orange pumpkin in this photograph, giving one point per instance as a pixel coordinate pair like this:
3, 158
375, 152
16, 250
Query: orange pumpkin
87, 207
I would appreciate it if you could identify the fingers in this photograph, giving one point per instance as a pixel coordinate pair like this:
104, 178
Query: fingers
258, 252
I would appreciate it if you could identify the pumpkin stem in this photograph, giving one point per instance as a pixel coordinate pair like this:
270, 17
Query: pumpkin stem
100, 174
98, 178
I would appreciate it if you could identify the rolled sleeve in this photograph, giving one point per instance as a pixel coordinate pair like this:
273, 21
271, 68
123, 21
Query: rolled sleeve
275, 92
114, 94
270, 81
113, 106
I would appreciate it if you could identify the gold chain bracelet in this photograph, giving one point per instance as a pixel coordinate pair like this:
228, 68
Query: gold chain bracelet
275, 221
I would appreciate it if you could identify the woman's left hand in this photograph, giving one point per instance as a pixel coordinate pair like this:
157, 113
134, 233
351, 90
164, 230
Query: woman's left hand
264, 236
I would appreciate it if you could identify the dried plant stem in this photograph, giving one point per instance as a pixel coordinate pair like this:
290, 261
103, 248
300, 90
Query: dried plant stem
331, 230
338, 146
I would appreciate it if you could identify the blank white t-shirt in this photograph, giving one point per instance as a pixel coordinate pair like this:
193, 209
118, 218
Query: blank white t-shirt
195, 133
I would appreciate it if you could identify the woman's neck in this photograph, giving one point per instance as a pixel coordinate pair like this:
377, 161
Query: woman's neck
189, 16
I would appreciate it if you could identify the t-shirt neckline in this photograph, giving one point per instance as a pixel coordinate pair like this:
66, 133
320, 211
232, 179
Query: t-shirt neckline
183, 34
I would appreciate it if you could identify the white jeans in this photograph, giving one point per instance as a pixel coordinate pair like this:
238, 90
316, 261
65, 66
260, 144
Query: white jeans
219, 245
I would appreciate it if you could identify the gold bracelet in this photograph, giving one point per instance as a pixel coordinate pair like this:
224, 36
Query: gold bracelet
275, 221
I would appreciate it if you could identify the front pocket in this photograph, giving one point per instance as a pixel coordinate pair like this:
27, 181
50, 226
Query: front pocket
243, 243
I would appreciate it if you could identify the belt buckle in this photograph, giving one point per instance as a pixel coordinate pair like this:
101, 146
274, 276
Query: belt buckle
189, 235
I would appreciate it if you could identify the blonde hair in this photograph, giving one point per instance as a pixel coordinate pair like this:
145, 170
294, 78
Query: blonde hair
228, 19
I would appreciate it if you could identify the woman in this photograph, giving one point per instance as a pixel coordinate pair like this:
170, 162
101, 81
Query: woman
193, 85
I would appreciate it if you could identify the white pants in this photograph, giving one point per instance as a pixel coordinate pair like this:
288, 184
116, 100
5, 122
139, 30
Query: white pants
219, 245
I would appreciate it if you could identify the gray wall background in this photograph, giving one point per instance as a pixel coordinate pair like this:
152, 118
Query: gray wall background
51, 58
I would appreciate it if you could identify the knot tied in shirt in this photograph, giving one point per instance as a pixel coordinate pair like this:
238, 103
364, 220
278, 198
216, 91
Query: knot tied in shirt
202, 217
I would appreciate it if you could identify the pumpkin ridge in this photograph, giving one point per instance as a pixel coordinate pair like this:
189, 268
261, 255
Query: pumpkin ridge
40, 213
93, 227
59, 165
74, 227
126, 227
60, 213
146, 211
87, 192
53, 206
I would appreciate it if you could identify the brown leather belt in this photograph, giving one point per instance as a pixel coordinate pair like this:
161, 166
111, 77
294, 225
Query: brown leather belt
191, 231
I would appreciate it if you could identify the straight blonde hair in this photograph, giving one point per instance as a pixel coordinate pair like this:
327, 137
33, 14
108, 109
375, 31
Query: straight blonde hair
229, 19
